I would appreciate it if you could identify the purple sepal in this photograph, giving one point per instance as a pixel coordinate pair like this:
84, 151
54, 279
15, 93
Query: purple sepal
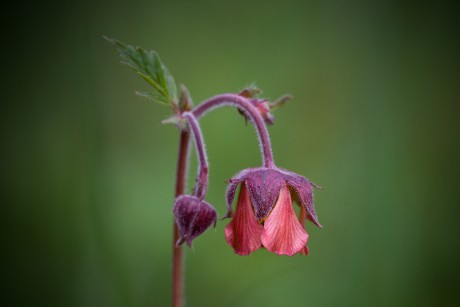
193, 217
264, 185
302, 192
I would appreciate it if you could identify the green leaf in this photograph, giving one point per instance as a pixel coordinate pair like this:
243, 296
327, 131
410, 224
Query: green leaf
148, 65
150, 96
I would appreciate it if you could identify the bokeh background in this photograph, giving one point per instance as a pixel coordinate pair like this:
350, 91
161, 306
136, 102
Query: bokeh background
88, 170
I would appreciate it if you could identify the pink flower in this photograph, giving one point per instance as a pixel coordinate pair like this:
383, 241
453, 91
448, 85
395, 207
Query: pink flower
264, 214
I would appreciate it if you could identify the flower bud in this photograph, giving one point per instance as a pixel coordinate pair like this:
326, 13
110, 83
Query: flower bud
263, 108
193, 217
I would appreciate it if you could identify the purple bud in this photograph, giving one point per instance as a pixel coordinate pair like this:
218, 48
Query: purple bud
193, 217
263, 108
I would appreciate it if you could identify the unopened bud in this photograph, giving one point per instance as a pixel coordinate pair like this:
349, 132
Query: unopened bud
193, 217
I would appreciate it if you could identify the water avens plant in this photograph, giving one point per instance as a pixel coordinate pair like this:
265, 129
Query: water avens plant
264, 215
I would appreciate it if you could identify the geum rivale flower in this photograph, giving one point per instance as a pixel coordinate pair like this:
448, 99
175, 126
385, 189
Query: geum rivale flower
264, 214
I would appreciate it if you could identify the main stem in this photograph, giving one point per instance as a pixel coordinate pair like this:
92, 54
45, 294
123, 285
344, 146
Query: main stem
248, 108
178, 263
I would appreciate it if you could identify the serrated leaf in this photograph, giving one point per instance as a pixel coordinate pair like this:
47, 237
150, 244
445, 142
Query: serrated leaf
151, 96
148, 65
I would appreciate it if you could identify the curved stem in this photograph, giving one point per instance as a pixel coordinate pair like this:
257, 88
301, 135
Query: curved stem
248, 108
200, 190
178, 263
202, 177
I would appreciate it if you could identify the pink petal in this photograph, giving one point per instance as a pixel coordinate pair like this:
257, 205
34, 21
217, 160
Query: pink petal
302, 218
243, 232
283, 234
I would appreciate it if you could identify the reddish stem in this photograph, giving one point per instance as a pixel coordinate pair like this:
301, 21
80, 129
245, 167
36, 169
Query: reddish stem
178, 263
248, 108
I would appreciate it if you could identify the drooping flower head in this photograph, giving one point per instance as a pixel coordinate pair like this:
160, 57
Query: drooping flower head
264, 214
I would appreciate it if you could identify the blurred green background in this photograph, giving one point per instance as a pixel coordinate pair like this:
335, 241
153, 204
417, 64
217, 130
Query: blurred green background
88, 170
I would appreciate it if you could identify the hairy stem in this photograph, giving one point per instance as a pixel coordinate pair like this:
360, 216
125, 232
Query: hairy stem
248, 108
178, 263
202, 177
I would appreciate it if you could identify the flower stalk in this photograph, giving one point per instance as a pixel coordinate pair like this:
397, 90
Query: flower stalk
193, 214
250, 111
178, 262
202, 177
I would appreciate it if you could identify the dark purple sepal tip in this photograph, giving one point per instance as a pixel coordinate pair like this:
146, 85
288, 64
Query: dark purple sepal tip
302, 189
193, 217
